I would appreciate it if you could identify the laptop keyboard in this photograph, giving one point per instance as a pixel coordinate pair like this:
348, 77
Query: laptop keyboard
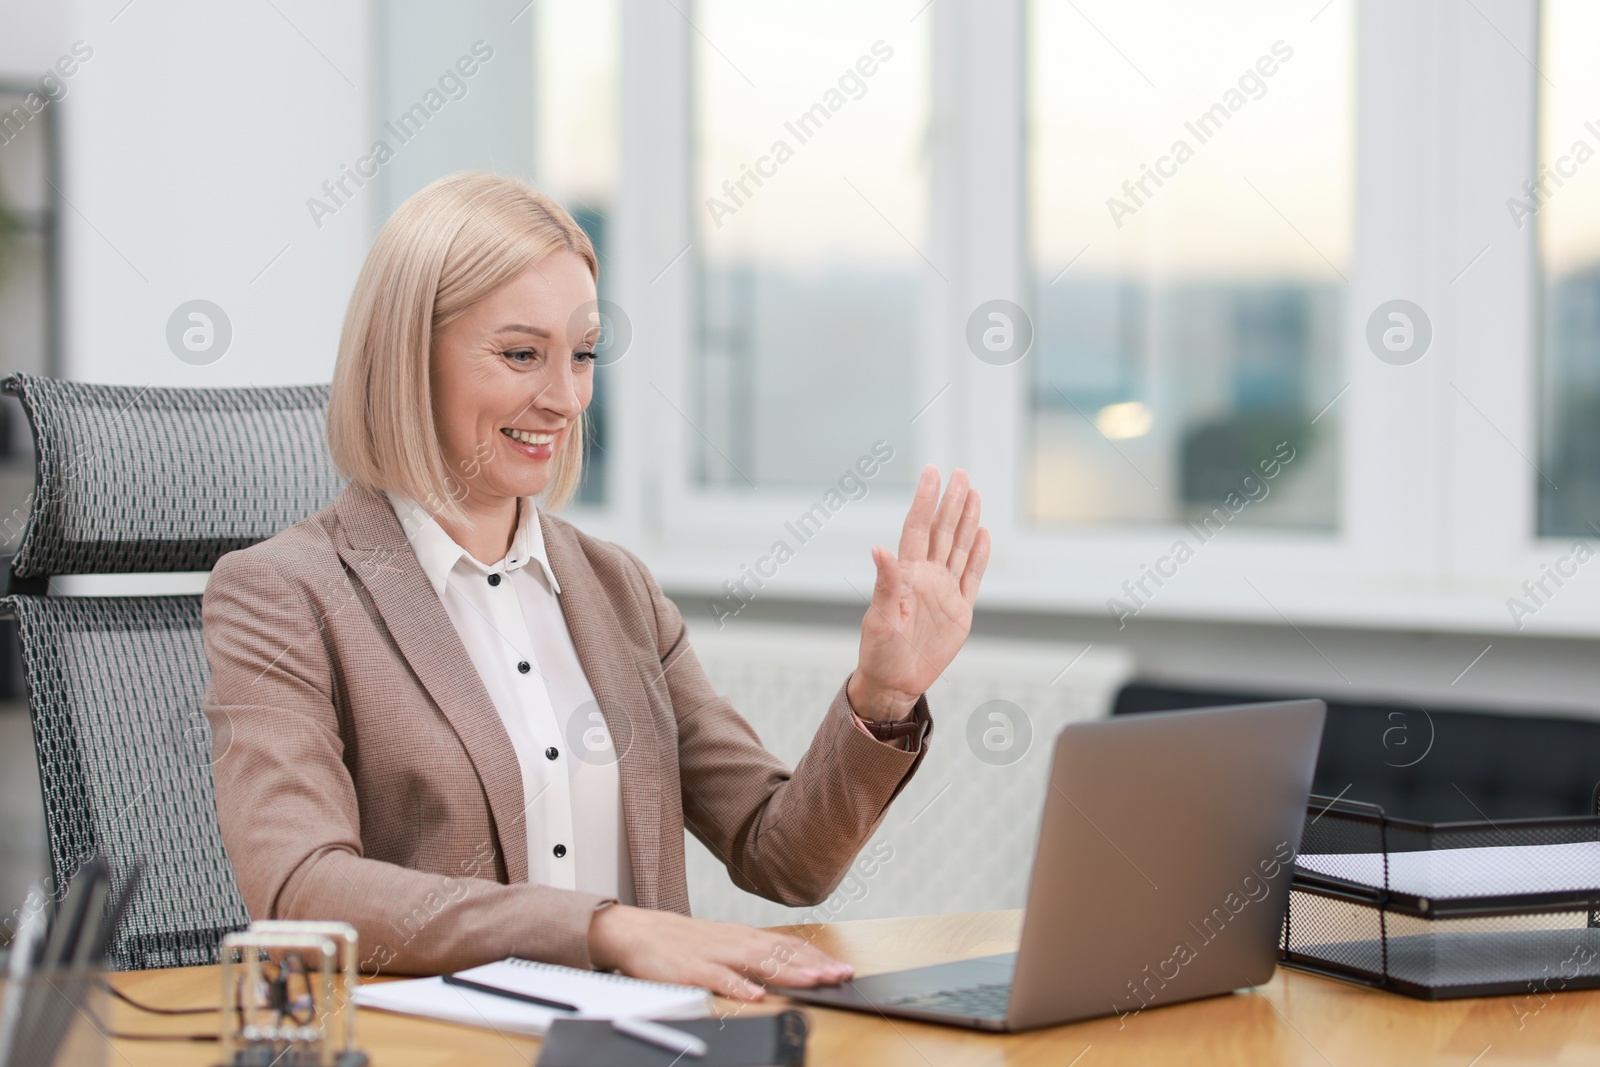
974, 1002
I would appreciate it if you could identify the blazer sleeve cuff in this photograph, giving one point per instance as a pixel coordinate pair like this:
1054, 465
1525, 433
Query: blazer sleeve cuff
870, 758
556, 926
919, 714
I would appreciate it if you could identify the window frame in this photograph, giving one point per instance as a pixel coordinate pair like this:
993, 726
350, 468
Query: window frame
1439, 539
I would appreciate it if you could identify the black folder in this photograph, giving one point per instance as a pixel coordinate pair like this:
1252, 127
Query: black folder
759, 1041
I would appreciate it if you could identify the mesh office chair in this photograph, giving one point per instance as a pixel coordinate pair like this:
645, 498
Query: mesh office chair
136, 480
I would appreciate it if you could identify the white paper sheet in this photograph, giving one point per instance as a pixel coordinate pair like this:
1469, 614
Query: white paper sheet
1470, 872
431, 998
597, 995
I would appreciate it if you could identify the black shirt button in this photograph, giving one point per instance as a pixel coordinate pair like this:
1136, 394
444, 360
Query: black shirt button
524, 667
552, 752
560, 850
494, 579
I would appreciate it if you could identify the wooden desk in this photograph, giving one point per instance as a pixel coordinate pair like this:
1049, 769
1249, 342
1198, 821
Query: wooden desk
1293, 1019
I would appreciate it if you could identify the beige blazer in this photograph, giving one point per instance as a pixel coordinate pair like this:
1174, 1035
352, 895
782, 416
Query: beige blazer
364, 775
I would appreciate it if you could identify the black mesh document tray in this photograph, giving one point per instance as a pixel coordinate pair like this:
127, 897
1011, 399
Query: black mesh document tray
1445, 910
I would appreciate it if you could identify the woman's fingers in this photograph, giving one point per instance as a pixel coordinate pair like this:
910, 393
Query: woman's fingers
728, 958
727, 981
757, 958
972, 577
966, 531
942, 533
914, 535
786, 960
886, 586
792, 962
810, 960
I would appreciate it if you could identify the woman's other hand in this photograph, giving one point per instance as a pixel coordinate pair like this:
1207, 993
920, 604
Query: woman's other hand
728, 958
922, 600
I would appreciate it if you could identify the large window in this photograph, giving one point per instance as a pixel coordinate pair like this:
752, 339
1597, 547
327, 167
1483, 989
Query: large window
1191, 217
1563, 200
811, 236
1265, 259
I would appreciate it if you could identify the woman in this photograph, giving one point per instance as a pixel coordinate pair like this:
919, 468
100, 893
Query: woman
472, 730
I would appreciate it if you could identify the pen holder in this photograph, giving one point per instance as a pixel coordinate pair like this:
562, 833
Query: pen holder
54, 1018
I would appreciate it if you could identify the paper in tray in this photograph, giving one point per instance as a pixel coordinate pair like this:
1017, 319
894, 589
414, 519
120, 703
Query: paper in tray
1470, 872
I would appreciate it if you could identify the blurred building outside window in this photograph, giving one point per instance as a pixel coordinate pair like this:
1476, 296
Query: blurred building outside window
1564, 204
1191, 203
811, 230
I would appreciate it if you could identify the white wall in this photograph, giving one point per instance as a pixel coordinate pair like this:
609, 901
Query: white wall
981, 790
192, 138
32, 36
1515, 674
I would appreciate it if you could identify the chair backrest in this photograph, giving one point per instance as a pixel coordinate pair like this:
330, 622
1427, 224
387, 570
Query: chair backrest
133, 480
147, 480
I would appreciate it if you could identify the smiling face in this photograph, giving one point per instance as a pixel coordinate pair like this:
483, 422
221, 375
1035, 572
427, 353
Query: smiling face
510, 378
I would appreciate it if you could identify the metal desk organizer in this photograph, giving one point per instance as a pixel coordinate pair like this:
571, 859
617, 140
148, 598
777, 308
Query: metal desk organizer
1440, 911
287, 996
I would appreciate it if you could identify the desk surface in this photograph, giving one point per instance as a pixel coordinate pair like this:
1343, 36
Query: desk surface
1293, 1019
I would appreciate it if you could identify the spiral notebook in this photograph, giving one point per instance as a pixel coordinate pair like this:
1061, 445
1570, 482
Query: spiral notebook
595, 995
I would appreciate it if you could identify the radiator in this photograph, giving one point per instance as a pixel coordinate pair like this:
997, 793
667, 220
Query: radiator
960, 837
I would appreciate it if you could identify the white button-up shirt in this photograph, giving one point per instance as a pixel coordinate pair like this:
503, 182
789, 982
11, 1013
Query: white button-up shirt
508, 615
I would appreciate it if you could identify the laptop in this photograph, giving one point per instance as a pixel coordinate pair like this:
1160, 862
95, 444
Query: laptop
1161, 874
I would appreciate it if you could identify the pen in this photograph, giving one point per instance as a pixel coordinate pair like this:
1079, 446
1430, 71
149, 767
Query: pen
68, 919
93, 919
661, 1036
527, 998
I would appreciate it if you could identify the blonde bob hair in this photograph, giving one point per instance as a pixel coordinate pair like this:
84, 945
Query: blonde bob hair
446, 248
